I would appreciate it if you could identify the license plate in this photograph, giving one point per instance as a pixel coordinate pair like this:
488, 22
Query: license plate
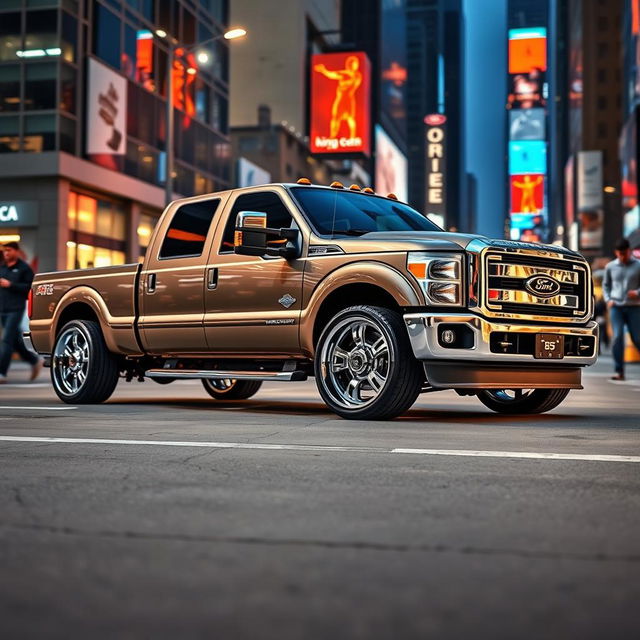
549, 346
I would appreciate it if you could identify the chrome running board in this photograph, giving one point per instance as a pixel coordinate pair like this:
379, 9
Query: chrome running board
199, 374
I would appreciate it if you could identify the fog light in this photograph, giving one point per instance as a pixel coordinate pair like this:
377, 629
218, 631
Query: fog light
448, 336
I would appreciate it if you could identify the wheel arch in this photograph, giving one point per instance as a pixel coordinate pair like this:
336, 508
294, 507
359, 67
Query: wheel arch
362, 283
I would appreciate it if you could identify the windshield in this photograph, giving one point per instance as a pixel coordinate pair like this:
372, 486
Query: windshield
353, 214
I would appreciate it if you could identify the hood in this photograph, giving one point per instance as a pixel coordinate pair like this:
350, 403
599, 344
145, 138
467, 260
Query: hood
384, 241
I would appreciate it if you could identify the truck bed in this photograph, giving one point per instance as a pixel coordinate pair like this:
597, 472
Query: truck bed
55, 293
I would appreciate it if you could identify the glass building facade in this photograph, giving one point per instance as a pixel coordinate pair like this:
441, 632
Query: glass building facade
48, 51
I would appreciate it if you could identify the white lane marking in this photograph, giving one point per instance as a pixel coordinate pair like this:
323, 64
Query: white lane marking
26, 385
584, 457
38, 408
530, 455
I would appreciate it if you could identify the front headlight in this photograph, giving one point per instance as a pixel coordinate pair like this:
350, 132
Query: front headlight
439, 275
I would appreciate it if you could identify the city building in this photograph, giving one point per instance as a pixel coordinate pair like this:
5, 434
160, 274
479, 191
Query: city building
435, 85
628, 144
593, 99
83, 103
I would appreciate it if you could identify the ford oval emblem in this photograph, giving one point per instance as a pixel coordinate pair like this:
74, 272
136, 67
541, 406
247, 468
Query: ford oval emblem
542, 286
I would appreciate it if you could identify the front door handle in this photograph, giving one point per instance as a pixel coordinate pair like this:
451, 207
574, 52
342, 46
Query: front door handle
212, 278
151, 282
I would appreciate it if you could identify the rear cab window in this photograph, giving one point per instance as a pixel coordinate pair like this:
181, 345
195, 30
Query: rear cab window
188, 230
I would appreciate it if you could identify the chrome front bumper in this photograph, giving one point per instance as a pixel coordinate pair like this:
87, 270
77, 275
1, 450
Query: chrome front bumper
423, 333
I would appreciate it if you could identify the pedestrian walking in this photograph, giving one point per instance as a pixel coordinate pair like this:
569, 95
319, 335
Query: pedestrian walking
16, 277
621, 289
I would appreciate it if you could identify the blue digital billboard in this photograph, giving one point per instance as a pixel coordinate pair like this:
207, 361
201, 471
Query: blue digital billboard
528, 156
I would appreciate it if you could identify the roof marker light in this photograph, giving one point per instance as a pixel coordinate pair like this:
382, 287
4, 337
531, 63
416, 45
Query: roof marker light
355, 187
392, 196
336, 185
303, 181
368, 190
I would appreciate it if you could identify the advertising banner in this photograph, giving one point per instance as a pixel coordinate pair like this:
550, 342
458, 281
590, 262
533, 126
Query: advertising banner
391, 166
528, 157
106, 111
589, 199
527, 193
340, 98
527, 49
436, 166
527, 124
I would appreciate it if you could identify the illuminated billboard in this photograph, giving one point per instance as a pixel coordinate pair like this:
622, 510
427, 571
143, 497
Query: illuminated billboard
527, 50
527, 193
528, 156
340, 97
527, 90
527, 124
436, 167
391, 166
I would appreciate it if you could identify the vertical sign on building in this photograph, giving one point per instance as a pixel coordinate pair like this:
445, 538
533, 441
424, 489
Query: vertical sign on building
436, 167
527, 101
340, 98
391, 166
589, 200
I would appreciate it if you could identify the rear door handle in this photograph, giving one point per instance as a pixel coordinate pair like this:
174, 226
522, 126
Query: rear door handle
151, 282
212, 278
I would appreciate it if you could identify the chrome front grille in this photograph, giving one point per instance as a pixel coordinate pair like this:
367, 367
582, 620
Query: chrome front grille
507, 292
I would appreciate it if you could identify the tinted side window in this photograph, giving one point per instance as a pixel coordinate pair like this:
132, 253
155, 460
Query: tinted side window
188, 230
268, 202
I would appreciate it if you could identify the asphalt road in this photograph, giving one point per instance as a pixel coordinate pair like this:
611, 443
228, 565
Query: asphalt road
166, 514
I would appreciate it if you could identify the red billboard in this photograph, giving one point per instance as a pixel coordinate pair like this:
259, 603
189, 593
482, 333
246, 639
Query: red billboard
340, 97
527, 193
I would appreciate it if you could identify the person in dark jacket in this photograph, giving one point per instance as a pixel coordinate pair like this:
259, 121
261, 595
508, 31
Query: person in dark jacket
16, 277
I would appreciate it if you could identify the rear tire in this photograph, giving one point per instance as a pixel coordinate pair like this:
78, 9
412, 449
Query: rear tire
364, 365
229, 389
522, 401
83, 370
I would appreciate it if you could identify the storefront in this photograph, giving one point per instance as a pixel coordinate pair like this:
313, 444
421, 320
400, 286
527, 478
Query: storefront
18, 223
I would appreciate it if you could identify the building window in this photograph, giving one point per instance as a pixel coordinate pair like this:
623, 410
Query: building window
9, 134
69, 40
42, 31
602, 102
40, 133
602, 75
10, 36
68, 88
602, 129
97, 231
67, 135
146, 225
40, 86
10, 87
603, 23
106, 35
603, 49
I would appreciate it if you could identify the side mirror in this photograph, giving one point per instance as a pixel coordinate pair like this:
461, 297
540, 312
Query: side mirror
251, 237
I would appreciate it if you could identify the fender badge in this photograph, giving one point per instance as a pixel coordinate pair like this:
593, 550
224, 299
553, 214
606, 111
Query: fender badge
287, 300
44, 290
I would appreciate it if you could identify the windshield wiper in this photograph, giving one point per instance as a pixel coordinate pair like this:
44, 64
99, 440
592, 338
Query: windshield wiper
350, 232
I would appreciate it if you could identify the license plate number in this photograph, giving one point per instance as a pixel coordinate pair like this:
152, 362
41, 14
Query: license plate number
549, 346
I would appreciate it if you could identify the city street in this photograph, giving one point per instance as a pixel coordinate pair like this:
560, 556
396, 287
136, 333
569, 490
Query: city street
166, 514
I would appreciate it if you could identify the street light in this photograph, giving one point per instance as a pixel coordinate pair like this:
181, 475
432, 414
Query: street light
203, 58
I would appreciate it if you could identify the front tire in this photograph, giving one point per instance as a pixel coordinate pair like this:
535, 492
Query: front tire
83, 370
364, 365
522, 401
229, 389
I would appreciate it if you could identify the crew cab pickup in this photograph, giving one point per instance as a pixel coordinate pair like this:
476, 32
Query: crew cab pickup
285, 281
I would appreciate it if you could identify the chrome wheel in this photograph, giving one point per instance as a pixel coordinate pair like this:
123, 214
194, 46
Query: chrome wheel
221, 385
355, 359
71, 359
509, 395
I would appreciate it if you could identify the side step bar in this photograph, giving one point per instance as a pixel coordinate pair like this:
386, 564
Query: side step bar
197, 374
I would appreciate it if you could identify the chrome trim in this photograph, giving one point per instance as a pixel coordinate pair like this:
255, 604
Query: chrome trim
517, 296
478, 248
26, 338
423, 334
198, 374
507, 270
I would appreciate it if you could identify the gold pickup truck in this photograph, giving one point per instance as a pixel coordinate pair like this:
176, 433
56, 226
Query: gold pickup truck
285, 281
